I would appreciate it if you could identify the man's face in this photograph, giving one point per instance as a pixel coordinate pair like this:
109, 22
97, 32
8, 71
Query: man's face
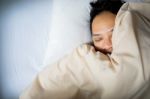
102, 28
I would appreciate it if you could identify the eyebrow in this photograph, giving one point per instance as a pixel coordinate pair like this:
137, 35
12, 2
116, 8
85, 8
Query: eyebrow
96, 34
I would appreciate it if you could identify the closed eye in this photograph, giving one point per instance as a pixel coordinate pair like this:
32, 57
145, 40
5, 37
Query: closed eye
98, 39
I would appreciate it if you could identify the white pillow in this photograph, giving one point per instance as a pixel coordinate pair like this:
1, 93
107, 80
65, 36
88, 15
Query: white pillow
69, 28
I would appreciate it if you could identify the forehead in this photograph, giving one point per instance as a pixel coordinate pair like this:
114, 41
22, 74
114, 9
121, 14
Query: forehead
103, 22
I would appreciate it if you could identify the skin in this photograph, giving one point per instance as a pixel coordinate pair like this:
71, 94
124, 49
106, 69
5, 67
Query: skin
102, 28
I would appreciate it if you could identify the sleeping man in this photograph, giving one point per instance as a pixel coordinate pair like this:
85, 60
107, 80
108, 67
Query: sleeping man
102, 22
114, 67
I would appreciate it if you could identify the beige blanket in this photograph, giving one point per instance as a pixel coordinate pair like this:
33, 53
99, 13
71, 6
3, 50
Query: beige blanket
87, 74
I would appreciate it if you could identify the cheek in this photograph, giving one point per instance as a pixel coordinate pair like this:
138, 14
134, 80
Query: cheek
98, 45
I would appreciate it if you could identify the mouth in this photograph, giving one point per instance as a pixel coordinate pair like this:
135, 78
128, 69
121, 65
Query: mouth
104, 51
108, 51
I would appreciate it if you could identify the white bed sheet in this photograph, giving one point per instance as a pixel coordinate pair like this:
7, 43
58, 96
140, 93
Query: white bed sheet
24, 30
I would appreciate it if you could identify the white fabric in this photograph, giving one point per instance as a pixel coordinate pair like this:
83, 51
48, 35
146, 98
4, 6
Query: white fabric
24, 30
87, 74
70, 27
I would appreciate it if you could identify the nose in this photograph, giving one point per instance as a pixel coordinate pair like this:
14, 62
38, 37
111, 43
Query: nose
107, 45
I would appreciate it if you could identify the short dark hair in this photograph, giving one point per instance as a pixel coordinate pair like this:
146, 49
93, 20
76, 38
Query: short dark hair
104, 5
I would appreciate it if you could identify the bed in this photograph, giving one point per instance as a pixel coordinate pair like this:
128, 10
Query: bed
30, 35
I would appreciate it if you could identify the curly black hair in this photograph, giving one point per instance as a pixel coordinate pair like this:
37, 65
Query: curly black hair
104, 5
